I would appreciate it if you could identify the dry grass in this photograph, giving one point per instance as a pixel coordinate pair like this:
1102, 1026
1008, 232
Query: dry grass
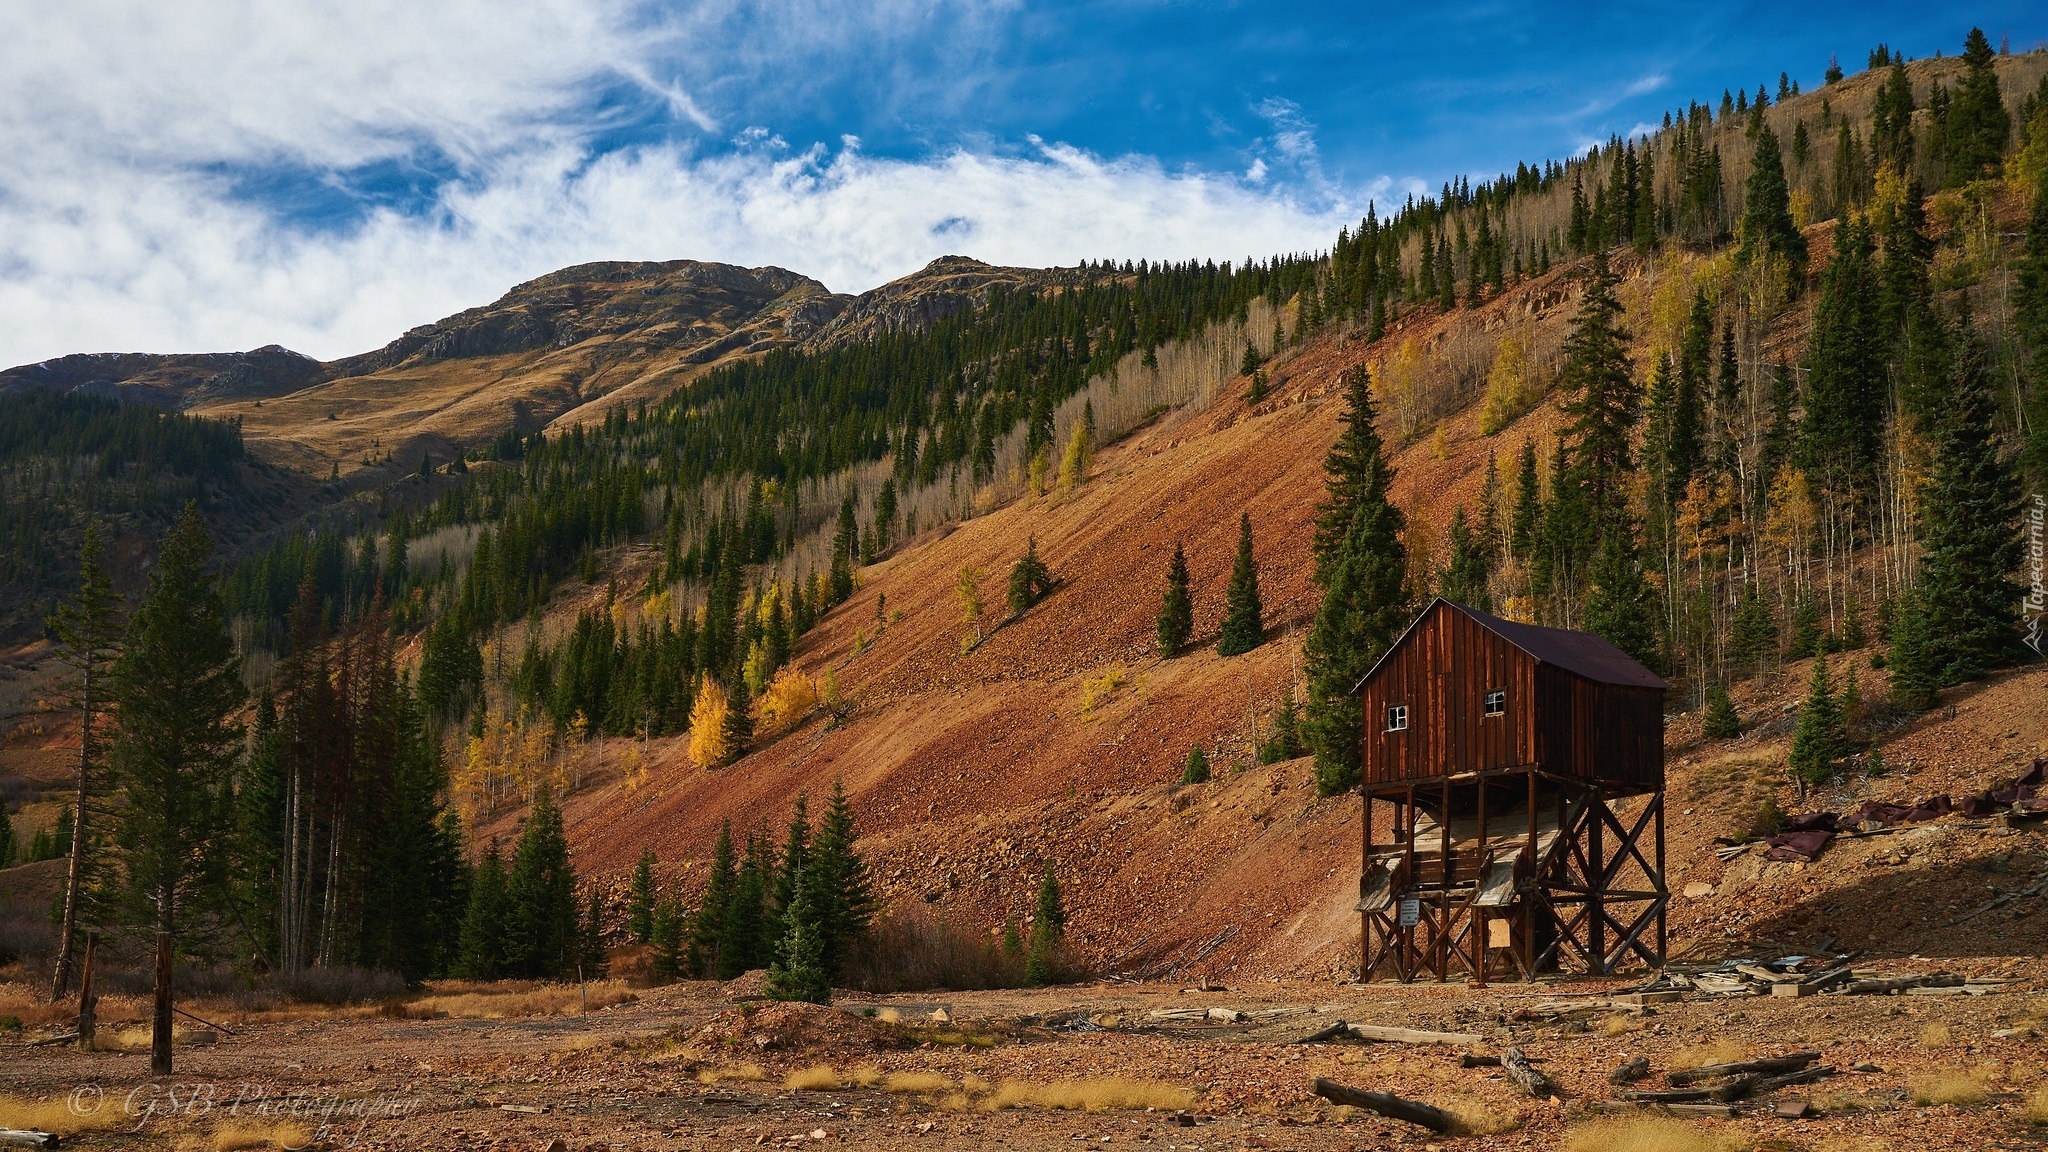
1093, 1095
1619, 1024
889, 1016
488, 1003
1647, 1134
1713, 1052
1835, 1103
2036, 1110
54, 1115
1935, 1035
865, 1076
816, 1078
735, 1072
239, 1134
1477, 1117
1949, 1086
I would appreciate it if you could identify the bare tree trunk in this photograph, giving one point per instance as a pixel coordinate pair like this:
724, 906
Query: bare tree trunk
88, 1003
67, 936
160, 1031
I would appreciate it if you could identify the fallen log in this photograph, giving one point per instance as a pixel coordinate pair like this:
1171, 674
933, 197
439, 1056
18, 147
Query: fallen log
1528, 1079
1770, 1065
1630, 1071
1321, 1034
1733, 1089
1387, 1104
1716, 1111
1805, 1076
1472, 1060
1390, 1035
29, 1138
62, 1038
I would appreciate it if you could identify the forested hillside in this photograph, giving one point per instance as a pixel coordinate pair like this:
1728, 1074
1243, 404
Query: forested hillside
1761, 387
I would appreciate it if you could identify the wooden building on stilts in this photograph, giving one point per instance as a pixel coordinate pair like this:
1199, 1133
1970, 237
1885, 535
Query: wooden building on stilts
1513, 782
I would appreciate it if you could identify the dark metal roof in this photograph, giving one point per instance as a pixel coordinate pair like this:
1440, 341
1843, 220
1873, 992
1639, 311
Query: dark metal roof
1580, 653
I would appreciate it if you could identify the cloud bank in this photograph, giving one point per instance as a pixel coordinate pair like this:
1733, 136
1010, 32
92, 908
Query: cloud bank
141, 207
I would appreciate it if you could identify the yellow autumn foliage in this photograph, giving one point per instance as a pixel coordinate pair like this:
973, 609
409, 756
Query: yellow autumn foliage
708, 744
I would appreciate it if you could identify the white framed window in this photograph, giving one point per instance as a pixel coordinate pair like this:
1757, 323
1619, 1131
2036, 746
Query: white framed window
1496, 701
1397, 717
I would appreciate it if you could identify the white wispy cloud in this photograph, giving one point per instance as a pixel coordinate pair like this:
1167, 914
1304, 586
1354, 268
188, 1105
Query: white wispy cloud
130, 129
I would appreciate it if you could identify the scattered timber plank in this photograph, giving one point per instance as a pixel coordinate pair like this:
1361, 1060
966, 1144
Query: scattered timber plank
1630, 1071
1389, 1035
1714, 1111
1759, 972
524, 1109
1473, 1060
1387, 1104
1770, 1066
1794, 991
1830, 978
1803, 1076
1792, 1109
1640, 999
1525, 1077
1321, 1035
1884, 985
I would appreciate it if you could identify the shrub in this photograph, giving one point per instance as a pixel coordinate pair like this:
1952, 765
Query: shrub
915, 951
707, 725
1097, 692
1948, 1086
791, 697
1721, 722
1197, 769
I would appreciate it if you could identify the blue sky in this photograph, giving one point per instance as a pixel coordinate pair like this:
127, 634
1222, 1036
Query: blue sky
221, 174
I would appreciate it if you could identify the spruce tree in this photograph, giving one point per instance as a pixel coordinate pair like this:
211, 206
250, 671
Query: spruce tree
1845, 362
1970, 527
591, 963
1806, 639
1820, 738
1048, 932
1244, 624
1527, 519
790, 866
1621, 607
798, 970
723, 878
88, 627
1721, 722
2030, 322
1754, 638
640, 903
1913, 659
177, 688
1362, 569
667, 932
1030, 579
1176, 606
1464, 578
1978, 125
741, 945
838, 879
1601, 399
481, 952
1196, 770
540, 897
739, 719
1767, 227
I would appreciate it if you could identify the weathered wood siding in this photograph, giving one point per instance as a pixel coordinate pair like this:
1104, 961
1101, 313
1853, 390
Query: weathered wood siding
1555, 719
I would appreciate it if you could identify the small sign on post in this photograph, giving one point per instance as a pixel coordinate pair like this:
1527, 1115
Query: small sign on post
1411, 912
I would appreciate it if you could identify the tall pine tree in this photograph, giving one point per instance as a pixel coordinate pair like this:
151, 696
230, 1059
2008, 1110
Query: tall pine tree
1970, 526
1176, 606
1244, 615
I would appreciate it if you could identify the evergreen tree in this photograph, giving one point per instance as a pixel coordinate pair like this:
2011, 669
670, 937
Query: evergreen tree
1244, 626
481, 954
1048, 932
739, 719
1030, 580
838, 881
798, 971
1806, 639
790, 867
177, 688
1767, 227
8, 848
1891, 122
2030, 323
1176, 607
1820, 739
1196, 770
1721, 722
1970, 526
640, 903
1978, 125
1914, 659
1754, 635
1845, 397
540, 897
591, 963
741, 943
1527, 518
668, 929
1602, 399
884, 528
88, 627
1362, 568
1464, 579
1285, 742
1620, 607
719, 885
